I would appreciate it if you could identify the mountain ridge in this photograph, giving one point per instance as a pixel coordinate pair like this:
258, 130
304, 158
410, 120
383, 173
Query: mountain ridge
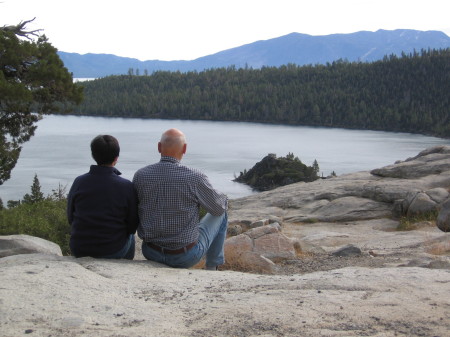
294, 48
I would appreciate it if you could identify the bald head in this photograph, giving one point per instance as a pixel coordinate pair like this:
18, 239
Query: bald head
172, 144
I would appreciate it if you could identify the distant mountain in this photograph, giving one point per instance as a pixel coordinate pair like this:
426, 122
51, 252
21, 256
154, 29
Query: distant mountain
293, 48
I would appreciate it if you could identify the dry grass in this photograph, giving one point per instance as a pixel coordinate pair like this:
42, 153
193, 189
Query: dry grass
437, 247
299, 253
424, 221
200, 265
408, 223
234, 260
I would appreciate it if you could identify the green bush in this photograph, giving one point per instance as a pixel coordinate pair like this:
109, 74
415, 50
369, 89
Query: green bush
45, 219
409, 223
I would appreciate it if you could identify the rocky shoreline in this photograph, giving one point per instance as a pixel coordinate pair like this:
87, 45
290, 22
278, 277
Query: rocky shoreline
362, 209
382, 193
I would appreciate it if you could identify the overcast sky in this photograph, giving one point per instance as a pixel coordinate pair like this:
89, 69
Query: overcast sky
188, 29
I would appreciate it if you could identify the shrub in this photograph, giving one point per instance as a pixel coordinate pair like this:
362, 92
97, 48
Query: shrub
408, 223
45, 219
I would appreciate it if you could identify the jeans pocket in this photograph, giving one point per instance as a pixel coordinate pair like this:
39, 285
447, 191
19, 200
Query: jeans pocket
186, 260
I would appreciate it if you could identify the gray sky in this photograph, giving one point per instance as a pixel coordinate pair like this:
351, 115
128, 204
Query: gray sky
188, 29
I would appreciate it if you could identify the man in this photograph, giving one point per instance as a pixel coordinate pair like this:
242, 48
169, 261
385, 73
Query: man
102, 207
170, 196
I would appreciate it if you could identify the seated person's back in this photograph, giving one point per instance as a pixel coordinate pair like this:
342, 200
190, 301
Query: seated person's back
102, 207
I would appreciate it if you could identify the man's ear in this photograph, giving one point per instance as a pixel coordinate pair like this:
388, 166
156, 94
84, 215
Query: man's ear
159, 147
184, 148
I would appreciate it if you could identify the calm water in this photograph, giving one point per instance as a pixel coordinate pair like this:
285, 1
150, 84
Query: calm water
60, 151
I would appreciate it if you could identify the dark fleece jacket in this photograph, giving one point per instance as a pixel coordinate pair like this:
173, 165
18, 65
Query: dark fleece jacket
102, 211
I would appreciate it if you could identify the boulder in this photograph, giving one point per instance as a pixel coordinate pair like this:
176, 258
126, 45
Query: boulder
443, 220
239, 255
259, 223
421, 203
428, 162
438, 195
234, 229
274, 246
25, 244
349, 208
254, 262
347, 251
243, 224
237, 244
258, 232
240, 226
254, 249
438, 264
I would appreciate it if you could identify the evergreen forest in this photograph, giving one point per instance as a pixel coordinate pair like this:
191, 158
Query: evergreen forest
410, 93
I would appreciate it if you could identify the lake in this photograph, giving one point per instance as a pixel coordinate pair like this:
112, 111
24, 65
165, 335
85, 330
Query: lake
60, 149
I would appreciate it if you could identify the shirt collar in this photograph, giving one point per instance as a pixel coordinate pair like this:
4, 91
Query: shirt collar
170, 159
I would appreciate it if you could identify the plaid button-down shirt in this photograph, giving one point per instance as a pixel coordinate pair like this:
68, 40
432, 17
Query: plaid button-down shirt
170, 195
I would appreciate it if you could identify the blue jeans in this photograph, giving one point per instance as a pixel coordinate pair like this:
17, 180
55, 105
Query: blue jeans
212, 233
127, 252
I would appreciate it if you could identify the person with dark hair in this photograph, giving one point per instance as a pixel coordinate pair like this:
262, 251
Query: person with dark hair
105, 149
102, 207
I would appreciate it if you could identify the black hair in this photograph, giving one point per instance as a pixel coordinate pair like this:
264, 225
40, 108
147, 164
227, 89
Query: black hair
105, 149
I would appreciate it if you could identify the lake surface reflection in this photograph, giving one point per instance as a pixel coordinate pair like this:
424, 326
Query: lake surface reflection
60, 151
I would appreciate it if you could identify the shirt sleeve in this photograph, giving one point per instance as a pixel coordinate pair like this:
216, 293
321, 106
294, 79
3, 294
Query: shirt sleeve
214, 202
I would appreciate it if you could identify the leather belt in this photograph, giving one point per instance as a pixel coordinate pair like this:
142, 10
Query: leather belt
171, 251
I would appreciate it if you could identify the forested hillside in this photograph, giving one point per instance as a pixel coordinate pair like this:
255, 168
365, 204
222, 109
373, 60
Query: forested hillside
409, 93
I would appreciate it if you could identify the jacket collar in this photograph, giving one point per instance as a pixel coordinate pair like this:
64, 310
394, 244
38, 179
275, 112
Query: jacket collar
97, 169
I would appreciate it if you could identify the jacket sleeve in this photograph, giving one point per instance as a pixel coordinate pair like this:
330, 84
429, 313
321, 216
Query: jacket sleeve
70, 203
132, 218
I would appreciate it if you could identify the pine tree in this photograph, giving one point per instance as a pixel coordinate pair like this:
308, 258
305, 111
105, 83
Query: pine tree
33, 81
315, 166
36, 194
